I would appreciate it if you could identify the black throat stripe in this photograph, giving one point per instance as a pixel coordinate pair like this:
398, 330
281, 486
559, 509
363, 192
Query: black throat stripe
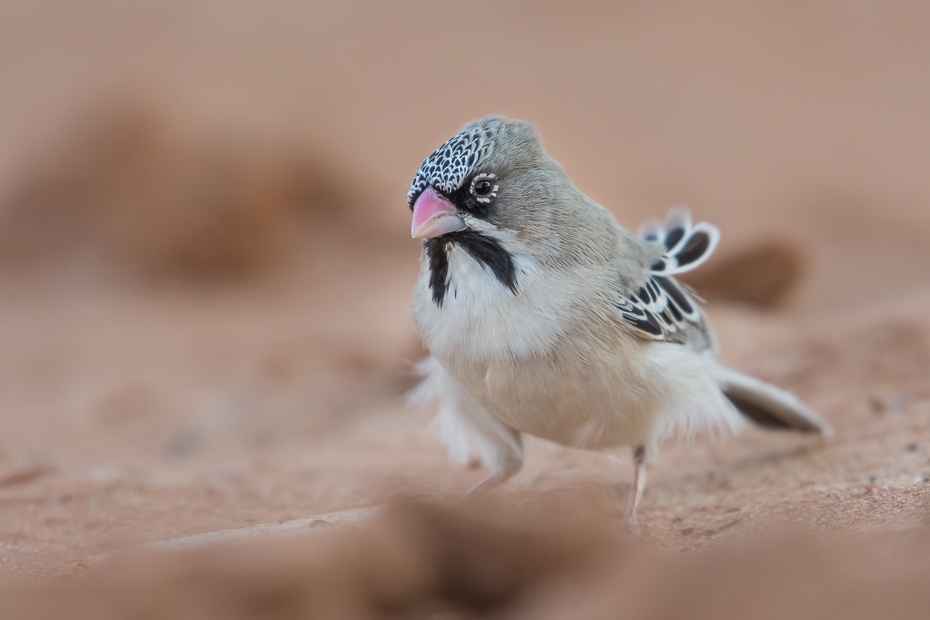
487, 251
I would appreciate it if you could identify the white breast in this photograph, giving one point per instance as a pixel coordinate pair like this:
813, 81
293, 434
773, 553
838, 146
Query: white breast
480, 318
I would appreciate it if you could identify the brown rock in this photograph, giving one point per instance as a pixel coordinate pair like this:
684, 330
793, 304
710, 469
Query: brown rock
166, 194
763, 275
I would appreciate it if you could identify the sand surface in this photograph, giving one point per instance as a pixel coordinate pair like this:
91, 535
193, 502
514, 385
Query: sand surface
168, 371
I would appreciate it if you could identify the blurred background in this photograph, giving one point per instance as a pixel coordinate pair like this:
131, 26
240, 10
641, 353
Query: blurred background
205, 262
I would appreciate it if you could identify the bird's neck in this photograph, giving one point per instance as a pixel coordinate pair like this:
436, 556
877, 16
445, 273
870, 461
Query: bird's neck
483, 248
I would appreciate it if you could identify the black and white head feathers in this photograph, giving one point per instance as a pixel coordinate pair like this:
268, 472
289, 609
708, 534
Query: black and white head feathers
453, 162
454, 171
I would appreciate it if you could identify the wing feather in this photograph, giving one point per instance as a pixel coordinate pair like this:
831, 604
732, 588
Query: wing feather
661, 308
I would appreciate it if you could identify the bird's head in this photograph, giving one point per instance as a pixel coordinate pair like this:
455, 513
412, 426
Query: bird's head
493, 191
486, 178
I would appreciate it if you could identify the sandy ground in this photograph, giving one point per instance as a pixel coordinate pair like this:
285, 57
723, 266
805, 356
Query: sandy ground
160, 413
151, 388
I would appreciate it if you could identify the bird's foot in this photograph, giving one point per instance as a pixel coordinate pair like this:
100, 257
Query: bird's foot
631, 526
481, 488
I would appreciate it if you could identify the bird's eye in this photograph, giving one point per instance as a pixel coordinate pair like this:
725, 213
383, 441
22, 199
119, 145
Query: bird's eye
484, 188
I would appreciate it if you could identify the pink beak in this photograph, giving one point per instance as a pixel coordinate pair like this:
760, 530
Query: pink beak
433, 216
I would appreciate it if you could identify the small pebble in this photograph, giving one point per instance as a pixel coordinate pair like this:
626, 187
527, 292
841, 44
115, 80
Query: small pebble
894, 402
24, 475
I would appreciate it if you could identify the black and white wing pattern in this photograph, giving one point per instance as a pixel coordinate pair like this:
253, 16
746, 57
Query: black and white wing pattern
661, 308
686, 246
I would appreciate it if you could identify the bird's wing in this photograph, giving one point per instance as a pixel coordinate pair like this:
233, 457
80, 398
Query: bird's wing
658, 307
686, 247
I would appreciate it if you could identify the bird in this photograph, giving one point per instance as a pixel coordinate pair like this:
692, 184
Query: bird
543, 316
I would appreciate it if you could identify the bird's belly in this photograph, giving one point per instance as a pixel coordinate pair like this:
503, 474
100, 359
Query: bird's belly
598, 404
595, 404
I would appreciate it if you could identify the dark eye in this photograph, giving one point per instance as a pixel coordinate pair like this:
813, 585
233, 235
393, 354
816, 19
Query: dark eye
483, 187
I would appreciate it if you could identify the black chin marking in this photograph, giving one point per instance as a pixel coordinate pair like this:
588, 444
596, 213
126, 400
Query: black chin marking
489, 252
486, 250
438, 268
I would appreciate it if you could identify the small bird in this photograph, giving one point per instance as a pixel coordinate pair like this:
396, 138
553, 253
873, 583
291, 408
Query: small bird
543, 316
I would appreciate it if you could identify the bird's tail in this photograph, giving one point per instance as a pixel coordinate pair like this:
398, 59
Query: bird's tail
769, 406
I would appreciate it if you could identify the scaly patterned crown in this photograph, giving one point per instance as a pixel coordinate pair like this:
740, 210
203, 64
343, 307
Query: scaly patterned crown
449, 165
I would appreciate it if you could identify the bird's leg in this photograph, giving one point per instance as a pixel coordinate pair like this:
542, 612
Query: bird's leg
639, 482
511, 466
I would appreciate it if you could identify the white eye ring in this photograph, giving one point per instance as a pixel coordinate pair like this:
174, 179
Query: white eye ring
494, 187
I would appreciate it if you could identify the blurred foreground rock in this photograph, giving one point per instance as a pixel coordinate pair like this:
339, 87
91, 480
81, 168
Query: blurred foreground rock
561, 556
